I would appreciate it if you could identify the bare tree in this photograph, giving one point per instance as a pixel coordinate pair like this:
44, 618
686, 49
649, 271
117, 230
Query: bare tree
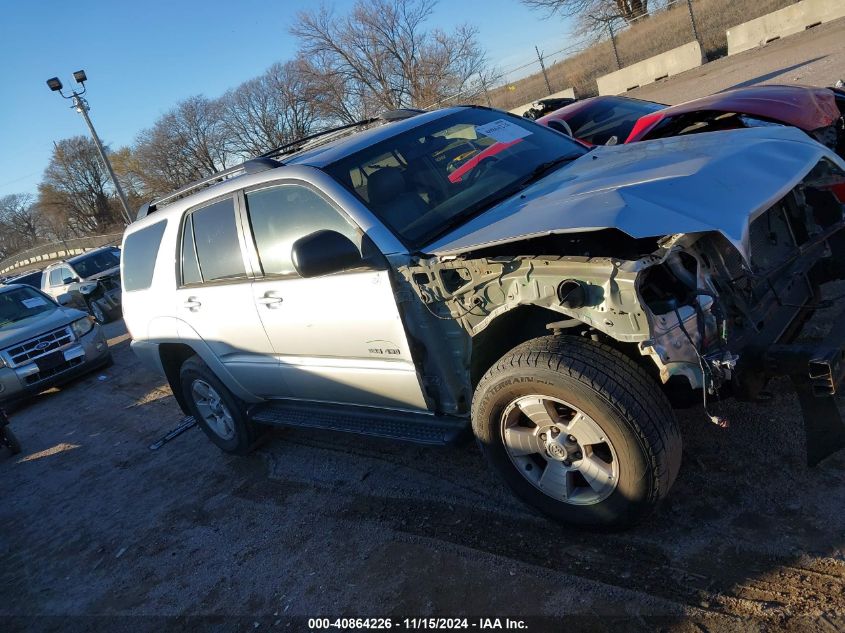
270, 110
187, 143
76, 188
381, 56
21, 224
593, 16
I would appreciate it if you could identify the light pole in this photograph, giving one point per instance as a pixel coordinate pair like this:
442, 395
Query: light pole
81, 106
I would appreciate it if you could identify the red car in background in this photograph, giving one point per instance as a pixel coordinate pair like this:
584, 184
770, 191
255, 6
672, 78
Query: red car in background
601, 120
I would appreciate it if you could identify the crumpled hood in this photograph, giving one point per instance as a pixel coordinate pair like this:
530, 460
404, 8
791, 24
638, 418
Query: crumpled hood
15, 333
717, 181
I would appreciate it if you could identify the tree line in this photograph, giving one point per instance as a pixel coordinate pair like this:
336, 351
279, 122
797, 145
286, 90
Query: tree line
379, 56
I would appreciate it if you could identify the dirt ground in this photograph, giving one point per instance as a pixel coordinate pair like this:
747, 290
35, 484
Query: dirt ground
98, 531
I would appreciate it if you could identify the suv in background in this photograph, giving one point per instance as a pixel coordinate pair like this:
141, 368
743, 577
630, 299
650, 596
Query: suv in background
549, 298
43, 343
92, 279
32, 278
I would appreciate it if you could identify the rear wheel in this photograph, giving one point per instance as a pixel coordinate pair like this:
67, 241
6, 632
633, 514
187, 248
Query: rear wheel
218, 412
578, 430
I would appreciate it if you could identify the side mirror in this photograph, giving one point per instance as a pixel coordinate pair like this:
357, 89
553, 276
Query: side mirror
324, 252
613, 140
70, 280
64, 299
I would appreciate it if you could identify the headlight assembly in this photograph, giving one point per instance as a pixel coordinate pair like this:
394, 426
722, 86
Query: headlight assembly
87, 289
82, 326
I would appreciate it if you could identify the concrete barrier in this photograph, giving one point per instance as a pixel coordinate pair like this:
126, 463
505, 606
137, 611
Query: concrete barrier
650, 70
520, 110
787, 21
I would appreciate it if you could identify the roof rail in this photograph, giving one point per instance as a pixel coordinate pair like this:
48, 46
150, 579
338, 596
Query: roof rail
400, 114
293, 146
252, 166
266, 160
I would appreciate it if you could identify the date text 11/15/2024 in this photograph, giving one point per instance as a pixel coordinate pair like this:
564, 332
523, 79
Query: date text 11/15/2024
431, 624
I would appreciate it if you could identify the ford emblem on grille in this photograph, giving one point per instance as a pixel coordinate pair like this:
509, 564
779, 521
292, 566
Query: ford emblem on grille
42, 345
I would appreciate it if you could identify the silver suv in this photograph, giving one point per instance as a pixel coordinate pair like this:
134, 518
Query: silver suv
432, 274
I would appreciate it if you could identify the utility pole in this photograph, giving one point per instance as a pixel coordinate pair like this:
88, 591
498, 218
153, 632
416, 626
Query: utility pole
613, 43
692, 21
81, 105
543, 67
486, 93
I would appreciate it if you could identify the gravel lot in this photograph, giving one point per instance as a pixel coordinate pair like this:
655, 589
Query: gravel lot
96, 530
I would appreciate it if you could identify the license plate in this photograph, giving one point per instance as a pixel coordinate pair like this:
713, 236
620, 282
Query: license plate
51, 361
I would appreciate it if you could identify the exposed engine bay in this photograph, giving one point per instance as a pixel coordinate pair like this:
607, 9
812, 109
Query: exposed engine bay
698, 307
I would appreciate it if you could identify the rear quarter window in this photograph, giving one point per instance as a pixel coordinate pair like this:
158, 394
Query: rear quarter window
140, 251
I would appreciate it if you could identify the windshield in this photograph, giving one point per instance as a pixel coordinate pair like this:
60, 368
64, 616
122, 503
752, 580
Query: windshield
17, 304
609, 117
95, 263
438, 175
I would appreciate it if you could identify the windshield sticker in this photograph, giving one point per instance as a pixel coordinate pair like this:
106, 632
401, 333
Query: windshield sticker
503, 131
34, 302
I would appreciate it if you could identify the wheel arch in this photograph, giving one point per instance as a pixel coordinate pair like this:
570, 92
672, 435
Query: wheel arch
506, 331
172, 356
526, 322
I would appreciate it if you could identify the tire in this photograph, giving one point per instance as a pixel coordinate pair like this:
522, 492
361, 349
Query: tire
629, 451
100, 315
12, 441
221, 415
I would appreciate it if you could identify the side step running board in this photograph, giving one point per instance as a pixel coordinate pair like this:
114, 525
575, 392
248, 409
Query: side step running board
418, 428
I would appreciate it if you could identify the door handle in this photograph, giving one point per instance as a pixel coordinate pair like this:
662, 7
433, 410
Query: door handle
192, 304
270, 299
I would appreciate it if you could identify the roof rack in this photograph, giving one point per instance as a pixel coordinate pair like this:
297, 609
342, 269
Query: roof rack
294, 146
267, 160
400, 114
253, 166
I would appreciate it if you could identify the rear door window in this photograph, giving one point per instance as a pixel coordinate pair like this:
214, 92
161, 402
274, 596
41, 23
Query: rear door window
214, 233
139, 256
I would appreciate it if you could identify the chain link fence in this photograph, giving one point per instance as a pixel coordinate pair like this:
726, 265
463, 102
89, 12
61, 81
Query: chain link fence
615, 43
40, 256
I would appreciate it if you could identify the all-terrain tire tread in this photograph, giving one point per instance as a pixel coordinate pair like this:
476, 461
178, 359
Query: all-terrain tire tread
620, 381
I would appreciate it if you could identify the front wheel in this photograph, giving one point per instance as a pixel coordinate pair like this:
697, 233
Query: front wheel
217, 411
98, 313
578, 430
11, 441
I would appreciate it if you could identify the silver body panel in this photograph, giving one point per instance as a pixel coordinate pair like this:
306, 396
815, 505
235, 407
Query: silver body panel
341, 338
338, 338
716, 182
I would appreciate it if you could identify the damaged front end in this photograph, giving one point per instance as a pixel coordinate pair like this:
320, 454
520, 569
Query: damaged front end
100, 293
709, 314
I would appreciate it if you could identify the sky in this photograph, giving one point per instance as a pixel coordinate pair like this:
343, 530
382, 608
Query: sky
141, 58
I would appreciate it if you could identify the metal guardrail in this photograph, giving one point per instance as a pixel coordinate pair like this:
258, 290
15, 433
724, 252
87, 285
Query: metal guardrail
47, 253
